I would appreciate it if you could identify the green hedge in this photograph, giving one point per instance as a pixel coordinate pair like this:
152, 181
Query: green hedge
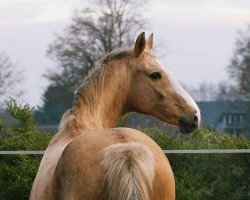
198, 177
207, 176
17, 172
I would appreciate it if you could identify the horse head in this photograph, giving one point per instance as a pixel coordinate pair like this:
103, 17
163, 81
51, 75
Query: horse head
155, 91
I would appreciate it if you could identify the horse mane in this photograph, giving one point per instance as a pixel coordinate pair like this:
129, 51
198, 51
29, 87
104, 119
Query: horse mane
91, 86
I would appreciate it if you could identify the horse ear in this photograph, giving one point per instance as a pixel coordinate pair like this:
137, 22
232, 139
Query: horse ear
150, 41
140, 44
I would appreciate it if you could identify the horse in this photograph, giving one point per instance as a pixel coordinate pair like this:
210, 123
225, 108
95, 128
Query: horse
89, 159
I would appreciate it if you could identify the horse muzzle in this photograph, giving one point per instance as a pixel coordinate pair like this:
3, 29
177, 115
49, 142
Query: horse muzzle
187, 125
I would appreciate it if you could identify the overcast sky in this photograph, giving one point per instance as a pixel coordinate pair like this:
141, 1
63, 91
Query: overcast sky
199, 36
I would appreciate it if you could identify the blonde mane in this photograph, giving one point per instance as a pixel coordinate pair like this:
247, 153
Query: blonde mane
90, 88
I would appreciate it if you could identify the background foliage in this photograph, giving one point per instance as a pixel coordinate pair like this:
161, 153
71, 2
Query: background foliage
214, 176
17, 172
207, 176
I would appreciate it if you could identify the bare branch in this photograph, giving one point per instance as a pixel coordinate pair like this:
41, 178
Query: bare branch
93, 31
11, 75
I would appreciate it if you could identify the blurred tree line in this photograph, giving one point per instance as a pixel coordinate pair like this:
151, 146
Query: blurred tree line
107, 25
237, 87
110, 24
95, 30
197, 176
11, 77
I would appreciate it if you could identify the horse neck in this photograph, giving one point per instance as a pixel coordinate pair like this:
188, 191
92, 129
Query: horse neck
104, 107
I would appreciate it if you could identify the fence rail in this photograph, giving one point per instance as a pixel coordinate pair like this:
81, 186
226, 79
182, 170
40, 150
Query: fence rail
22, 152
207, 151
189, 151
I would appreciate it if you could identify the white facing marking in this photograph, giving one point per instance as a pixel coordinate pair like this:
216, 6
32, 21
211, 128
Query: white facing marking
179, 90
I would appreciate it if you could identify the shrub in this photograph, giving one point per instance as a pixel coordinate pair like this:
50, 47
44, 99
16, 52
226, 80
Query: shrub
207, 176
17, 172
23, 135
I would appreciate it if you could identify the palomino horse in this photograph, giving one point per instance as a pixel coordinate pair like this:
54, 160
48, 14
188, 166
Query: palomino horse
88, 159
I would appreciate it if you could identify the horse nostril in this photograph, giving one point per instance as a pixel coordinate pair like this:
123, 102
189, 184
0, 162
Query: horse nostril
195, 119
187, 125
195, 122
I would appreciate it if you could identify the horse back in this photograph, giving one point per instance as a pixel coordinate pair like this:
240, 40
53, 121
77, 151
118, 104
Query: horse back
116, 164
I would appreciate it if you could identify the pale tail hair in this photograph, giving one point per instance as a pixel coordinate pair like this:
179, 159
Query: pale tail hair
66, 121
128, 171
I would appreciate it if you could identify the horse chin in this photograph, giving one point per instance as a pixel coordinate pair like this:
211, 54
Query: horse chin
185, 130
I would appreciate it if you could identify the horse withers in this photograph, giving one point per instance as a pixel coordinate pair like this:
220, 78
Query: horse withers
90, 159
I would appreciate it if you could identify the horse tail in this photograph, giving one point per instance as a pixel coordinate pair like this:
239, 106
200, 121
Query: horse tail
66, 121
128, 171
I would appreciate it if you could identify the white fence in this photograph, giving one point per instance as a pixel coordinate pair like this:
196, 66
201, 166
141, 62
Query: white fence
190, 151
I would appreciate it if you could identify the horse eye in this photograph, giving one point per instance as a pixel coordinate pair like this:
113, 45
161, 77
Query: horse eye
155, 75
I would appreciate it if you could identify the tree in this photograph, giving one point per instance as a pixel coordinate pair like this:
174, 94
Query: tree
17, 172
10, 77
214, 92
206, 91
239, 68
56, 100
227, 92
238, 87
108, 25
